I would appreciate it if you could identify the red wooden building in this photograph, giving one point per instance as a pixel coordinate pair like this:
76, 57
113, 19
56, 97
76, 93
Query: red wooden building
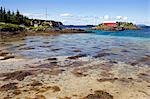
111, 24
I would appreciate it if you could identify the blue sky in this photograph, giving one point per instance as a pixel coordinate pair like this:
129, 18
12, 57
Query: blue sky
83, 11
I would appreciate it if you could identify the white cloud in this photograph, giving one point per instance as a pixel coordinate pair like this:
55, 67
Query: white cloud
66, 15
125, 18
35, 15
106, 17
121, 17
68, 18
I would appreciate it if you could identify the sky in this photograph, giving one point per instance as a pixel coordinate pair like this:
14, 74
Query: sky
83, 12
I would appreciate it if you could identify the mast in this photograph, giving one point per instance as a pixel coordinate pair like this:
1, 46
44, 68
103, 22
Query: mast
46, 14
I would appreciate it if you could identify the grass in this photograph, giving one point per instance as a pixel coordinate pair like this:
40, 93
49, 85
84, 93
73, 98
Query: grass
7, 27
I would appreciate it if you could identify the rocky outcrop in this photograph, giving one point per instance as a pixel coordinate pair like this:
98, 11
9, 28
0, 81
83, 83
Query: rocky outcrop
120, 27
50, 23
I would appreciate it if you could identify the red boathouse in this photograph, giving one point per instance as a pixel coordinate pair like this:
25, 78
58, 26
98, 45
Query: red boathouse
111, 24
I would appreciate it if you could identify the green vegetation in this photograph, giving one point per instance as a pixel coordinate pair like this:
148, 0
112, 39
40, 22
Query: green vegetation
127, 25
120, 26
13, 17
8, 27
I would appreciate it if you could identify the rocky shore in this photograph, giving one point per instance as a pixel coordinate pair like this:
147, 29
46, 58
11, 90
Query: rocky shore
77, 76
71, 77
41, 33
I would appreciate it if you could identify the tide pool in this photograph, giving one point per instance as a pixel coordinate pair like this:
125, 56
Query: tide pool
125, 46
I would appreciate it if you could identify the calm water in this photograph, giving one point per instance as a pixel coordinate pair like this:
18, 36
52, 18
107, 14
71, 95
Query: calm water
144, 33
122, 45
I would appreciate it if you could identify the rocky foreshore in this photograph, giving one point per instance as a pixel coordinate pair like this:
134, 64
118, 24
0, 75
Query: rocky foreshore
71, 77
45, 32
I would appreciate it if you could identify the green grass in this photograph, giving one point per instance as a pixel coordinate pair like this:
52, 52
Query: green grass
7, 27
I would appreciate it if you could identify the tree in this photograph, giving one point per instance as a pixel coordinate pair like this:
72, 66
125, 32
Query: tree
12, 17
1, 14
8, 16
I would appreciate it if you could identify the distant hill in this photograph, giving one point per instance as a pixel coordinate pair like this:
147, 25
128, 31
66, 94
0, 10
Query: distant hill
143, 26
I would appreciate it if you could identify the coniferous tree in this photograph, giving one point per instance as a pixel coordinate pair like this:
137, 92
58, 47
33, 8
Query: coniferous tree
1, 14
12, 17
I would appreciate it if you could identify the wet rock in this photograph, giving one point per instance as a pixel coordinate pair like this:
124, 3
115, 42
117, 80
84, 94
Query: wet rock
65, 98
8, 57
144, 76
33, 41
39, 97
48, 65
77, 50
78, 73
145, 60
51, 71
21, 45
7, 97
107, 79
56, 49
27, 48
54, 63
43, 89
3, 53
46, 88
52, 59
113, 61
56, 72
19, 75
55, 88
10, 86
99, 55
77, 56
130, 78
125, 80
106, 74
45, 46
17, 92
36, 83
125, 51
46, 42
36, 97
106, 66
99, 94
133, 63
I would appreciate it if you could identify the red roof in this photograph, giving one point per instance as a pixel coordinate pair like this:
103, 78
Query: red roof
111, 24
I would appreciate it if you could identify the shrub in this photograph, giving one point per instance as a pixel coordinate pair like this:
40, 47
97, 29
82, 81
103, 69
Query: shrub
6, 27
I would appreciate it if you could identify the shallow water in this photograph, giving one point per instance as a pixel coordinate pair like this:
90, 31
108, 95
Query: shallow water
123, 46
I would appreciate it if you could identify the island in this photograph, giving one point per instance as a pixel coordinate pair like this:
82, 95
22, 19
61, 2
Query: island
116, 26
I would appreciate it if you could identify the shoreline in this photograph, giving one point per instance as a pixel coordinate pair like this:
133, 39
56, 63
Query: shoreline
77, 79
71, 77
41, 33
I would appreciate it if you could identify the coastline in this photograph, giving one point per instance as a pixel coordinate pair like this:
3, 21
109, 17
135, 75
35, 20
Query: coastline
16, 35
77, 79
74, 49
71, 77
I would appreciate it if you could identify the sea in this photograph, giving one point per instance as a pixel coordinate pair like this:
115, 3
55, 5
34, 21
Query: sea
125, 46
